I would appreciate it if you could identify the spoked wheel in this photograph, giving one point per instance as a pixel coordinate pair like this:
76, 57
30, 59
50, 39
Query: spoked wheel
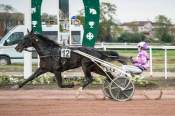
121, 89
106, 87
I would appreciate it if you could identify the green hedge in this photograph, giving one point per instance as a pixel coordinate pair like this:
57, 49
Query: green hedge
4, 80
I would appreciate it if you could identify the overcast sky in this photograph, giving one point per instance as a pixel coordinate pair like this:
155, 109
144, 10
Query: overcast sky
127, 10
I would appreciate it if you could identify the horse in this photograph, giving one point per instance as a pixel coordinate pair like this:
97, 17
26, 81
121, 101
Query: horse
51, 61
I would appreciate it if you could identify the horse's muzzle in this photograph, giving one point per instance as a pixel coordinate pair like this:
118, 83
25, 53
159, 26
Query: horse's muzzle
18, 49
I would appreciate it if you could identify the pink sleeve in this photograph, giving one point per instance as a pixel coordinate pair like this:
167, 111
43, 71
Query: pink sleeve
142, 57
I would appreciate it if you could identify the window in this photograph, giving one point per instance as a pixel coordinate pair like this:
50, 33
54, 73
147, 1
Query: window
51, 35
14, 38
76, 38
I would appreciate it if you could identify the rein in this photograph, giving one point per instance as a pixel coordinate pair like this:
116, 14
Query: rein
44, 56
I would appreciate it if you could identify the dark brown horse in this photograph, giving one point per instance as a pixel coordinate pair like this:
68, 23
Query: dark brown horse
51, 60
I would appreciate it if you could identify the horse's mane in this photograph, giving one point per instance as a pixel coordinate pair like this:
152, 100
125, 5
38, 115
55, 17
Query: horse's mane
46, 39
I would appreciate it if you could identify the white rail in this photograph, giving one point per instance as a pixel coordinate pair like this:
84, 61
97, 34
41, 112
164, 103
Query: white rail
105, 46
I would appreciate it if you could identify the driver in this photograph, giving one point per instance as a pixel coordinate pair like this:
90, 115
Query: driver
141, 62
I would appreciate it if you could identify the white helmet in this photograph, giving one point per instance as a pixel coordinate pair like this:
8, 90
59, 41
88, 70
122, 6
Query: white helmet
143, 44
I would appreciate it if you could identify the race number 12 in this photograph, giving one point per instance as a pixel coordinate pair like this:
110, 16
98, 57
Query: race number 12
65, 53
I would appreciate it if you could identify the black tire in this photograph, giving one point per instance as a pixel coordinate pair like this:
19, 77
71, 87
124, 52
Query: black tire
4, 60
122, 89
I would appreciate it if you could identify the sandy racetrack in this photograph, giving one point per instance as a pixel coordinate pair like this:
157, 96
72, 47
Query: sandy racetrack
51, 103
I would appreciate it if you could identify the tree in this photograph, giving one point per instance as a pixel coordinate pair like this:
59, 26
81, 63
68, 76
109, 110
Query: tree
163, 32
7, 8
107, 22
44, 17
107, 11
6, 15
131, 37
103, 34
49, 19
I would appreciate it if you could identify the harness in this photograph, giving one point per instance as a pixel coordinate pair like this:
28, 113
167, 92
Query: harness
61, 52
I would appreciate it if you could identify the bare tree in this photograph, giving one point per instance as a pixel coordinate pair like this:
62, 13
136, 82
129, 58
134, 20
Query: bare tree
107, 22
9, 17
107, 11
49, 19
6, 16
7, 8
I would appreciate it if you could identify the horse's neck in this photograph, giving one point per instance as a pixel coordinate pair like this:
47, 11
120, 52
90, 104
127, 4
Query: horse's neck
44, 49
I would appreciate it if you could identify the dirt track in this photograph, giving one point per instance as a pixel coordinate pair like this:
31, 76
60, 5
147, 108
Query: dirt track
63, 103
86, 108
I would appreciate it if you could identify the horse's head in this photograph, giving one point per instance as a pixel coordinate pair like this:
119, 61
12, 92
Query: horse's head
28, 41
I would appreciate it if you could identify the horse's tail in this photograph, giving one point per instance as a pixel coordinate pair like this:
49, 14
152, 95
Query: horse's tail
112, 56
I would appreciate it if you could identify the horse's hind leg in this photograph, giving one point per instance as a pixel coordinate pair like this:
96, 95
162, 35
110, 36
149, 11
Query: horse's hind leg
59, 81
87, 72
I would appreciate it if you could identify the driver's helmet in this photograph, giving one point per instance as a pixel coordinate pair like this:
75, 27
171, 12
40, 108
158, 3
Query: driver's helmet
143, 45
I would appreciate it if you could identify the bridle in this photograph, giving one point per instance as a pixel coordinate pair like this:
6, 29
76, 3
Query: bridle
43, 56
25, 49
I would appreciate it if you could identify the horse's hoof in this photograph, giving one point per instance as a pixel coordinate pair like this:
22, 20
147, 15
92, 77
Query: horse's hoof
70, 86
80, 89
15, 87
79, 92
67, 86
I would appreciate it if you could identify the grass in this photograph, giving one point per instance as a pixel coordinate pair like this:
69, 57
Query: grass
47, 80
50, 83
14, 68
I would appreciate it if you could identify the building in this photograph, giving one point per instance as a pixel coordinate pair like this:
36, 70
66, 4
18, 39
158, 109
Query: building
146, 27
70, 33
8, 20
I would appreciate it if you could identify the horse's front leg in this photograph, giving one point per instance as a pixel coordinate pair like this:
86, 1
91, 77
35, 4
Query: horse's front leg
86, 67
37, 73
59, 81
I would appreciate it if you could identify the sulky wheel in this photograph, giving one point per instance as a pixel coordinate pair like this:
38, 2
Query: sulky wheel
106, 87
121, 89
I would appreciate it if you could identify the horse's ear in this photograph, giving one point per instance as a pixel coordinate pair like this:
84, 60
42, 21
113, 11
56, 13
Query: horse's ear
28, 31
31, 31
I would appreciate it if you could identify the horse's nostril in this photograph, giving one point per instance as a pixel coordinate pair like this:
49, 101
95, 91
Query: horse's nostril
18, 49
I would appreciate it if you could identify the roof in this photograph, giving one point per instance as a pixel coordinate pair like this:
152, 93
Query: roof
18, 16
3, 10
136, 23
15, 13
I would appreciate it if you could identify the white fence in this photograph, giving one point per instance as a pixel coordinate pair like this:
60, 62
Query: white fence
106, 46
